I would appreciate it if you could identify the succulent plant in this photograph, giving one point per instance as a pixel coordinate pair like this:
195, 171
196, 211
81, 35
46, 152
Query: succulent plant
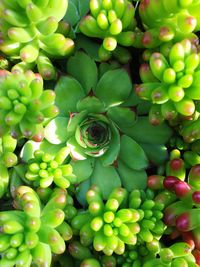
112, 21
166, 21
98, 126
43, 169
31, 233
24, 105
170, 82
107, 226
31, 32
7, 159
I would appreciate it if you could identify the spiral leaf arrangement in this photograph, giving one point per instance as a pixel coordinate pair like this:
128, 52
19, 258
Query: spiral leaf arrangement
31, 234
24, 104
171, 82
30, 32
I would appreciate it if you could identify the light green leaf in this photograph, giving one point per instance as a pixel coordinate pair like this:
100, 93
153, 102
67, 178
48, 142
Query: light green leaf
114, 146
143, 132
91, 104
84, 69
76, 151
56, 130
132, 179
157, 154
123, 117
114, 87
68, 93
82, 168
132, 154
106, 178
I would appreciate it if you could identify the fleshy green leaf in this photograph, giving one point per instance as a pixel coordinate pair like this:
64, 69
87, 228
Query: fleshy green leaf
84, 7
106, 178
91, 104
114, 146
76, 151
56, 130
143, 132
72, 15
82, 168
132, 179
123, 117
68, 93
88, 45
132, 154
157, 154
84, 69
114, 87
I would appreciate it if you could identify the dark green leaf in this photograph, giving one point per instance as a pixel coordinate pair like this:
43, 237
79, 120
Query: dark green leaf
84, 69
143, 132
157, 154
132, 154
88, 45
72, 15
84, 7
106, 178
114, 87
132, 179
82, 168
68, 93
123, 117
81, 192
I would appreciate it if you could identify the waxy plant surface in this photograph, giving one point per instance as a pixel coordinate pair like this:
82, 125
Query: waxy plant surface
99, 133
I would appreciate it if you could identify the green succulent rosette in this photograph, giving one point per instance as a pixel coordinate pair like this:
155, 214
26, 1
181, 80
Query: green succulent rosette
112, 21
31, 233
7, 159
100, 128
171, 82
168, 20
24, 104
31, 32
42, 169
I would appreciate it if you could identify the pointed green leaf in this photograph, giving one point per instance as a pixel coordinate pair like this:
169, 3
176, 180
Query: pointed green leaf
143, 132
157, 154
68, 93
82, 168
114, 146
132, 154
114, 87
56, 130
88, 45
84, 69
132, 179
106, 178
91, 104
76, 151
123, 117
83, 7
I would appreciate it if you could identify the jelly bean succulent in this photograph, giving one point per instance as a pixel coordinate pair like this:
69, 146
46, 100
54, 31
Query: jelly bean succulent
43, 169
31, 32
173, 20
31, 233
112, 21
7, 159
99, 127
170, 82
24, 105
